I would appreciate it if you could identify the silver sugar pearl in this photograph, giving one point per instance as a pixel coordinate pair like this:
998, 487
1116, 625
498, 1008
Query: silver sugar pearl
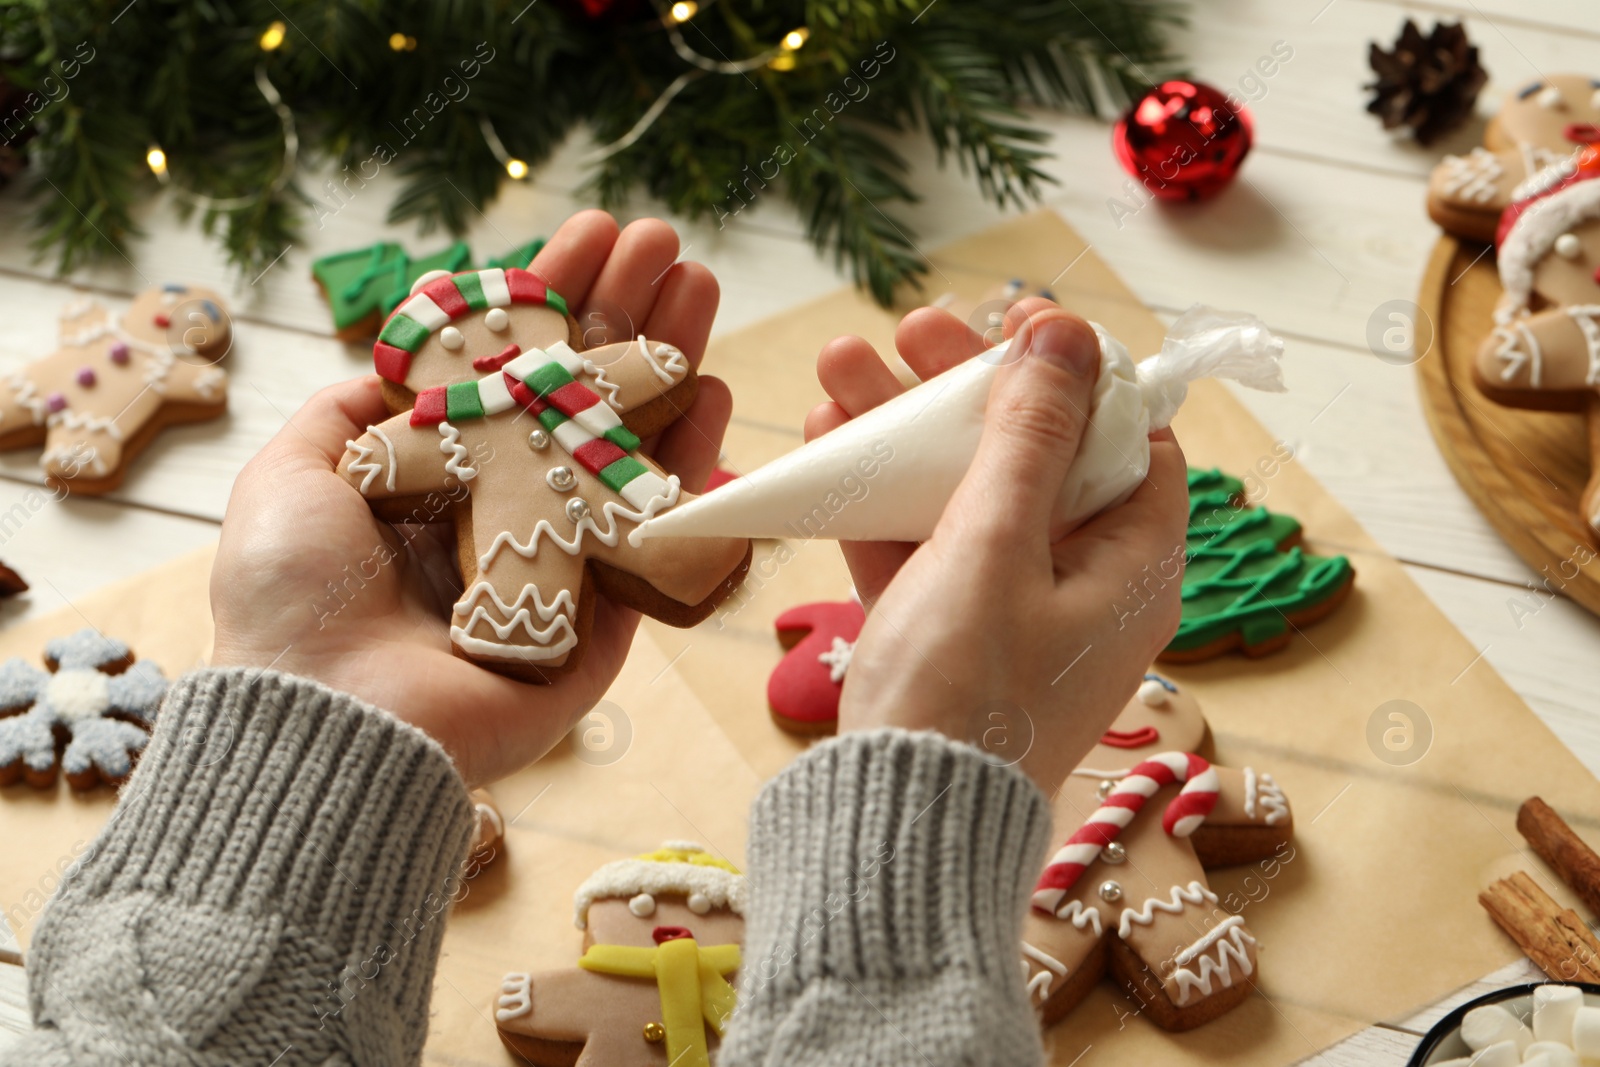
1110, 892
1114, 852
1105, 788
577, 509
539, 439
561, 478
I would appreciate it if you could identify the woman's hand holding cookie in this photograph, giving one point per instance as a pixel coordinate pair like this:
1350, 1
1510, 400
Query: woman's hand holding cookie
997, 631
308, 582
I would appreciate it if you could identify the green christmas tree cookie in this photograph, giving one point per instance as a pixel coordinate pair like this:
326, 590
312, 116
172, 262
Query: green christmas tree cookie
364, 285
1247, 584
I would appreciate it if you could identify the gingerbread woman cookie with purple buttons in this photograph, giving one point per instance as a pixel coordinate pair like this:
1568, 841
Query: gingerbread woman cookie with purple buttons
1126, 893
1540, 124
113, 384
530, 444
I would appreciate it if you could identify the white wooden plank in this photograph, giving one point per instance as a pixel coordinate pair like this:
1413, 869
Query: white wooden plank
1517, 972
14, 1019
1313, 103
1376, 1046
64, 549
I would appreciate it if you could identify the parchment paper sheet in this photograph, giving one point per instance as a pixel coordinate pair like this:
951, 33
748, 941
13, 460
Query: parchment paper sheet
1375, 916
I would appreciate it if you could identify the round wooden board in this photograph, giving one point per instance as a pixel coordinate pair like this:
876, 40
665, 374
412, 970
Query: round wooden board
1524, 469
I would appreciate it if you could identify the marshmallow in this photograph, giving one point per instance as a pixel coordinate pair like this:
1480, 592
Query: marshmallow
1554, 1008
1499, 1054
1492, 1024
1550, 1054
1586, 1032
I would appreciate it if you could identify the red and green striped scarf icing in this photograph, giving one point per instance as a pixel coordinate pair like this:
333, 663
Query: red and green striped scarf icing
544, 382
441, 301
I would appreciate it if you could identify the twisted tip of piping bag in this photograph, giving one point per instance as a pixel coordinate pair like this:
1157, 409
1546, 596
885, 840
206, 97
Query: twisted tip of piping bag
1208, 343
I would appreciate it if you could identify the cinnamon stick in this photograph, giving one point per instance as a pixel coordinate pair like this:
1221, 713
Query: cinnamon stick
1562, 849
1558, 942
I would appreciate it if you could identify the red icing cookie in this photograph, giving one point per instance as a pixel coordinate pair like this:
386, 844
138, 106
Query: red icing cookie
803, 692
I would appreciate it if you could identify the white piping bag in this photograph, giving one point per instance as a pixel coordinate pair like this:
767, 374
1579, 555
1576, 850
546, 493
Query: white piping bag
888, 475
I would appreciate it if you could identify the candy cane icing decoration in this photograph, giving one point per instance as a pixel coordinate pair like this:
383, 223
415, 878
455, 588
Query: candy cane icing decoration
1183, 817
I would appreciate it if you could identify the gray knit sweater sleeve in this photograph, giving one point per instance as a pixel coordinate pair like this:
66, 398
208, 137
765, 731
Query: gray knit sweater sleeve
889, 872
270, 890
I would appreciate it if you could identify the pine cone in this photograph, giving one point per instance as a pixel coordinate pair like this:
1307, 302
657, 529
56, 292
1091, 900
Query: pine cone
1427, 83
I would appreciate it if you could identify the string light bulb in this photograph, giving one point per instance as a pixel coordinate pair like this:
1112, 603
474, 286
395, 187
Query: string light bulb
794, 39
782, 61
684, 10
402, 42
517, 169
273, 36
157, 161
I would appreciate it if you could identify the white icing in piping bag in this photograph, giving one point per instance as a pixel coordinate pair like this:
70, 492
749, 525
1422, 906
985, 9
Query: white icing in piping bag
888, 475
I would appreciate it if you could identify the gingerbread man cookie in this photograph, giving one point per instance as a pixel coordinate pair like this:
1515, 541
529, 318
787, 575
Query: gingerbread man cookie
112, 385
1544, 352
531, 445
1540, 124
1127, 891
655, 981
95, 695
803, 692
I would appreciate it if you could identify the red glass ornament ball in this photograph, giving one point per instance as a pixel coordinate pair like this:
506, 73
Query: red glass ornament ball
1183, 140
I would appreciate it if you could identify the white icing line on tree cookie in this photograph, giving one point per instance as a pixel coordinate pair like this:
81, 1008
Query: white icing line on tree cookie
1194, 893
1273, 800
1473, 176
612, 389
1231, 939
1249, 793
450, 445
369, 471
672, 369
837, 659
611, 511
1039, 985
516, 996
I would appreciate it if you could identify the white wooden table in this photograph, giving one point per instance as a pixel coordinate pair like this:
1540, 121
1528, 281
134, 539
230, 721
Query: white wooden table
1325, 224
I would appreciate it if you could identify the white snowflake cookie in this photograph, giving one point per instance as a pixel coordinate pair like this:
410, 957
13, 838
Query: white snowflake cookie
89, 716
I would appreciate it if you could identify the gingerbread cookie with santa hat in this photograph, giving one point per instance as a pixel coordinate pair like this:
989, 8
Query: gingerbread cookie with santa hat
655, 982
506, 425
1540, 124
1126, 892
1544, 351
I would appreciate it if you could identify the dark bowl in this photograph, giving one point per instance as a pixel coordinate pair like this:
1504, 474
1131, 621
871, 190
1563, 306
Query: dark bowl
1444, 1042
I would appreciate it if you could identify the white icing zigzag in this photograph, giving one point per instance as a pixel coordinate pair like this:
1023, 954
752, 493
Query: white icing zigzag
1050, 969
1230, 938
364, 453
1193, 893
547, 644
1584, 316
1513, 357
612, 389
516, 996
1273, 800
450, 444
610, 511
666, 361
1080, 915
1472, 176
